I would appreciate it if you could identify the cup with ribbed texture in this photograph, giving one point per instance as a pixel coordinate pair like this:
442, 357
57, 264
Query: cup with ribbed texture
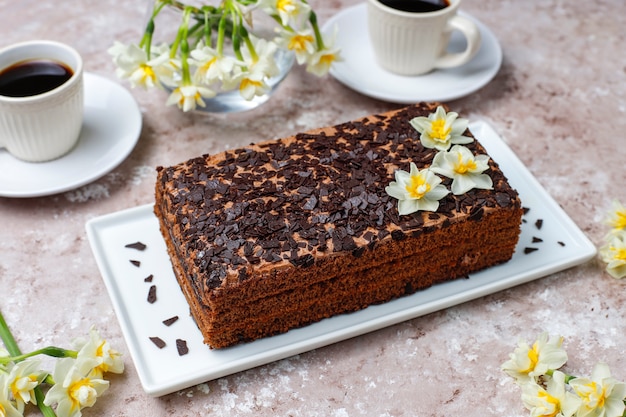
45, 126
415, 43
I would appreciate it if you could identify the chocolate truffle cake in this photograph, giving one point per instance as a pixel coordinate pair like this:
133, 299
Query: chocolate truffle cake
285, 233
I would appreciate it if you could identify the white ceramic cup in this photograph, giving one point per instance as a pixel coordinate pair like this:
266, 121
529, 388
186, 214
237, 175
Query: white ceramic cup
415, 43
44, 126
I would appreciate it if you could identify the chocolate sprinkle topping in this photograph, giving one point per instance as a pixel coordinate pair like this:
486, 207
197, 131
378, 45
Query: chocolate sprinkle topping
136, 263
158, 342
539, 223
152, 297
530, 250
537, 239
170, 321
148, 278
137, 245
181, 346
286, 200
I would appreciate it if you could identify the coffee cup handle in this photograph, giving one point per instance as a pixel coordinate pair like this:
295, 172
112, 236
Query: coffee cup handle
472, 36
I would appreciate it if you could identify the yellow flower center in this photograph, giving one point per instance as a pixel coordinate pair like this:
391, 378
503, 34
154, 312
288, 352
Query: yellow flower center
417, 187
620, 254
327, 59
551, 400
208, 64
620, 220
247, 82
438, 130
299, 42
462, 167
284, 5
533, 356
82, 393
148, 72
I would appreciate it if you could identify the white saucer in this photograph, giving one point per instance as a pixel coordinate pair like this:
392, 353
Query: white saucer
111, 128
360, 71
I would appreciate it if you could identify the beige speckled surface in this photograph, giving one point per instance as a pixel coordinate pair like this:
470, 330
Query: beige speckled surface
559, 101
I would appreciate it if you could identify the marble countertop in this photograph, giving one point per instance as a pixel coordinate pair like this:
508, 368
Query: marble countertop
559, 101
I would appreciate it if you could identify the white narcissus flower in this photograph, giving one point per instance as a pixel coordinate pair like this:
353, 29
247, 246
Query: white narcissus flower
614, 255
617, 216
528, 362
73, 389
416, 190
602, 395
22, 380
188, 97
7, 408
211, 67
440, 130
132, 64
554, 401
301, 42
289, 11
465, 169
320, 62
108, 359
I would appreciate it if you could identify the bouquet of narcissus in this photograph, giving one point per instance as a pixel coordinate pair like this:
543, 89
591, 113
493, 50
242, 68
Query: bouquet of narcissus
549, 392
75, 383
215, 49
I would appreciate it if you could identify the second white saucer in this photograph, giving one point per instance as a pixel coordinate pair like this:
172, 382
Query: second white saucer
360, 72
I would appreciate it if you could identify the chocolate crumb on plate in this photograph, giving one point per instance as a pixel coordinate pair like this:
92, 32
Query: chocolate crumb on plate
148, 278
181, 345
152, 297
561, 243
537, 239
539, 223
137, 245
170, 321
136, 263
529, 250
158, 342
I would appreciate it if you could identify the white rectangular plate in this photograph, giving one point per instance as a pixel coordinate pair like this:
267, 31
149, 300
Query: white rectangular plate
163, 371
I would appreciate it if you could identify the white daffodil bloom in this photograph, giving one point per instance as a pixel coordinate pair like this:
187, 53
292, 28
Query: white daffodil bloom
528, 362
252, 83
614, 255
132, 64
465, 169
289, 11
264, 60
602, 395
302, 43
108, 359
73, 389
22, 380
617, 217
440, 130
211, 67
416, 190
320, 62
554, 401
7, 408
188, 97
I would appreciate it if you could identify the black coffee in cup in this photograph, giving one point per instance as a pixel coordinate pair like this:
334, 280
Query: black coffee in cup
416, 6
29, 78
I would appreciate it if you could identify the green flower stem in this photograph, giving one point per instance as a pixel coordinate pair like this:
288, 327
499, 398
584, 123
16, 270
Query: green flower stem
14, 350
221, 32
184, 46
319, 39
53, 351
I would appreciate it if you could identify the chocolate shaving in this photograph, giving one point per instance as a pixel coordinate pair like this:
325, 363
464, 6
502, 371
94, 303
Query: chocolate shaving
181, 346
152, 297
561, 243
539, 223
136, 263
158, 342
529, 250
137, 245
148, 278
537, 239
170, 321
